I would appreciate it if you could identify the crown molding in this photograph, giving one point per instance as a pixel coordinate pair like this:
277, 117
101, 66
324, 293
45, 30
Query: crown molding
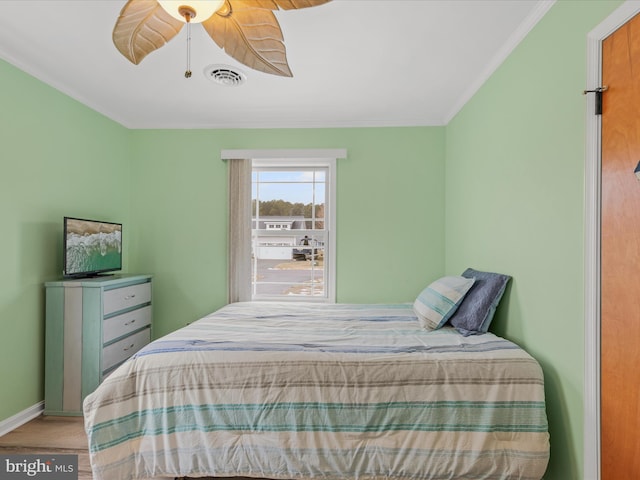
539, 11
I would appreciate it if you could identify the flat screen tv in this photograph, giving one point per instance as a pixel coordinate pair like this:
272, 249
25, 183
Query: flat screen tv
91, 247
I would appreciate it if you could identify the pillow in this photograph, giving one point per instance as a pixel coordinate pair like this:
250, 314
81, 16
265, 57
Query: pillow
436, 303
476, 312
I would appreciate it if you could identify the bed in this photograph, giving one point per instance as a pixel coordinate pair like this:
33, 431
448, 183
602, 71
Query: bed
320, 391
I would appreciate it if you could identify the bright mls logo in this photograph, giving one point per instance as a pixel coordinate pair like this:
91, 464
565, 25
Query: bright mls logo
50, 467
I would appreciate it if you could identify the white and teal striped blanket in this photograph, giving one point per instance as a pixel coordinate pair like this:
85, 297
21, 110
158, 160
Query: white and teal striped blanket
308, 391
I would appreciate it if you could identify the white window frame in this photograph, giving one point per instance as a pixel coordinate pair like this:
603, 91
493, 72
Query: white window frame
330, 221
321, 157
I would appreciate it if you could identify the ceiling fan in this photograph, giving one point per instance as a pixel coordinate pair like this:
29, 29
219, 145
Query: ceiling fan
246, 29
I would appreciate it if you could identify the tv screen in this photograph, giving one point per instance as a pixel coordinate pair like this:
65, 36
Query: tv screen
91, 247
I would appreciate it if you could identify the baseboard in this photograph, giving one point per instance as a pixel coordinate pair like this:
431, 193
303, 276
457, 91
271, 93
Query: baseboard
21, 418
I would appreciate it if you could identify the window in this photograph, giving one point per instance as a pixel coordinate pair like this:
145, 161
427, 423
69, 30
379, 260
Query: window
282, 220
292, 238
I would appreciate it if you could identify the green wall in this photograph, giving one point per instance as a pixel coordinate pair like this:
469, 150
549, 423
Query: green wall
514, 204
390, 198
57, 158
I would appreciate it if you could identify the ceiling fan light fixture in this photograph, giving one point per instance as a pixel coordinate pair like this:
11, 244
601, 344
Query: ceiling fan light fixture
197, 10
247, 30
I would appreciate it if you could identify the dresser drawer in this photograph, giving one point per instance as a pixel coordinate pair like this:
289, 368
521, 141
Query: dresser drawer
118, 352
126, 297
126, 323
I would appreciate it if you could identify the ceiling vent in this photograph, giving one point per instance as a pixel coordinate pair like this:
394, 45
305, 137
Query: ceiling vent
224, 75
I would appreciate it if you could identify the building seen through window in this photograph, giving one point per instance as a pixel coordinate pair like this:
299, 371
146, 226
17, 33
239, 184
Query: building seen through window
289, 235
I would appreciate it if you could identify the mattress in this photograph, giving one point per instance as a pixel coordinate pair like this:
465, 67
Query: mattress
320, 391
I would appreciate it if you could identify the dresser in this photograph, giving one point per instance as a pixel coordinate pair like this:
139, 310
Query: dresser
92, 326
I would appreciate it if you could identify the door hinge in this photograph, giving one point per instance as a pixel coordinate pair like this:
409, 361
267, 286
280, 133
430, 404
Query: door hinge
598, 98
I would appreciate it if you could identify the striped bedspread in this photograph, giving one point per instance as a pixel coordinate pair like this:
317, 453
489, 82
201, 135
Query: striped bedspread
301, 391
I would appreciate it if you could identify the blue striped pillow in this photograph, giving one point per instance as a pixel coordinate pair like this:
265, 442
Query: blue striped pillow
436, 303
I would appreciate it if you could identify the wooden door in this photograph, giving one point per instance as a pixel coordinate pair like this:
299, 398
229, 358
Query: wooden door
620, 259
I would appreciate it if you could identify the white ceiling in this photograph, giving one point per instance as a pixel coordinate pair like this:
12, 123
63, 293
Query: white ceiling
355, 63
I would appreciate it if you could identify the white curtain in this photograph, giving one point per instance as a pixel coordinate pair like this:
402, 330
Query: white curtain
239, 267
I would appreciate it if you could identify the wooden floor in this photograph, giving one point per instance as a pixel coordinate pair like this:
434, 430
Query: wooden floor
54, 435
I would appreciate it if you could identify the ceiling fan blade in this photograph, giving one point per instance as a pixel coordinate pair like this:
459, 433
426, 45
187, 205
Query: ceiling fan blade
284, 4
142, 27
251, 35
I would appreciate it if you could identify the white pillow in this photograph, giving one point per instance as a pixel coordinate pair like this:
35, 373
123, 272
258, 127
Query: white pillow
439, 301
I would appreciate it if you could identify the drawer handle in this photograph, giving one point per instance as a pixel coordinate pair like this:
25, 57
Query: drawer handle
129, 297
129, 347
126, 324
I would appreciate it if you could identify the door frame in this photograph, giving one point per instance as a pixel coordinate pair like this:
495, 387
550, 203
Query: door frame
592, 239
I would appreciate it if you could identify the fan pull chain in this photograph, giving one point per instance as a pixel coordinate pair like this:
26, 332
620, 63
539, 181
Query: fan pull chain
187, 73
